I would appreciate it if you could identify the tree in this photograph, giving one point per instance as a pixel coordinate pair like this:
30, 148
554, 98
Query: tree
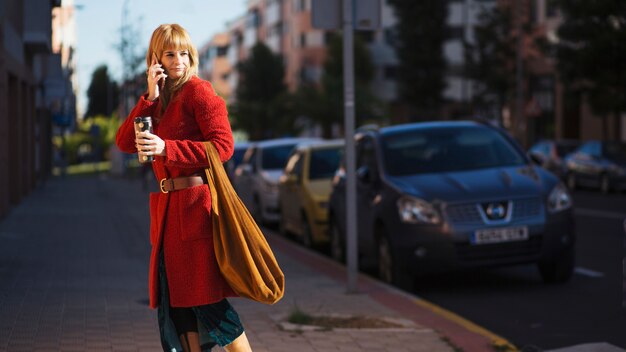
324, 104
490, 59
591, 54
261, 108
103, 93
420, 33
133, 59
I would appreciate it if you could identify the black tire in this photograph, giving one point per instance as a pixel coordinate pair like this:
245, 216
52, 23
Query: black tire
386, 263
256, 210
605, 184
307, 236
558, 269
282, 230
389, 269
571, 181
337, 246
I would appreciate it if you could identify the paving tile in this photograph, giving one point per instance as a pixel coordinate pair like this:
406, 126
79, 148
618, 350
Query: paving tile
90, 292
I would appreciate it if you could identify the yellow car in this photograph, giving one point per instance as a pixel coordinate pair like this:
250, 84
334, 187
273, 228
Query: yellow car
304, 189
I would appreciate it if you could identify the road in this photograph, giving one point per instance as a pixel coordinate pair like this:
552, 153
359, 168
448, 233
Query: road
515, 304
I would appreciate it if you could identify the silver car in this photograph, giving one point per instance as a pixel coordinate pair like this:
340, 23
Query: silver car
256, 178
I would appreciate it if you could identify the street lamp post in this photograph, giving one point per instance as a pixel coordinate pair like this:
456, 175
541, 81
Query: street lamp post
348, 84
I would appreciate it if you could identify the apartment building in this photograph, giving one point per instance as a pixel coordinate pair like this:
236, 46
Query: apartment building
26, 61
285, 26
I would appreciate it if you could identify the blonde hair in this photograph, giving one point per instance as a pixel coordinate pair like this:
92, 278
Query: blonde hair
172, 37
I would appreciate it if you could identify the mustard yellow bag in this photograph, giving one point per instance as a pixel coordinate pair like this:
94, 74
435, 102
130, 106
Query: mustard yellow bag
243, 254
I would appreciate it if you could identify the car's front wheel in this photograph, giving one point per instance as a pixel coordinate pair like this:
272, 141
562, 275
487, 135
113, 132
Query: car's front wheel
558, 269
282, 228
386, 266
257, 210
337, 249
307, 236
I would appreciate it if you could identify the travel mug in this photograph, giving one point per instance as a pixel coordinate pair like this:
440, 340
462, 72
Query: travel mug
144, 124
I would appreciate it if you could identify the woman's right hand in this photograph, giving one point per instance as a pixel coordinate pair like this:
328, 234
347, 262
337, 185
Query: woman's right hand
155, 74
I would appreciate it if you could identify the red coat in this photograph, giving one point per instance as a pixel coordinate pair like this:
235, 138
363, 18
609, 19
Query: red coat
179, 221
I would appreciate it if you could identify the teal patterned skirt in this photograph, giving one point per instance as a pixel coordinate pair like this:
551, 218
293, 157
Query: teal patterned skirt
218, 323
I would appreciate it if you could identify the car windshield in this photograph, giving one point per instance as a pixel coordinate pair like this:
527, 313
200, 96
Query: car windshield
616, 151
324, 163
275, 157
447, 150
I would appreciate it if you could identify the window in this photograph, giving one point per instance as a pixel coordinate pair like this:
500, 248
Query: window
391, 72
275, 157
328, 37
436, 150
222, 50
366, 36
456, 32
366, 154
254, 19
391, 36
302, 40
324, 163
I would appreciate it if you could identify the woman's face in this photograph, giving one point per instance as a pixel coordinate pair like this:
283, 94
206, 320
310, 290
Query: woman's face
175, 62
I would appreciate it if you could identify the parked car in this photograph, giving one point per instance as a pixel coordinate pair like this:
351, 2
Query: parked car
256, 178
434, 197
304, 189
550, 154
599, 164
236, 159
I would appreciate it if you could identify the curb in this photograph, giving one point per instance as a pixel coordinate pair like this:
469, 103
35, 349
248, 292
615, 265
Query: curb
459, 331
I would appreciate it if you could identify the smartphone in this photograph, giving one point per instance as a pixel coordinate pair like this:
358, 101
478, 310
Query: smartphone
161, 81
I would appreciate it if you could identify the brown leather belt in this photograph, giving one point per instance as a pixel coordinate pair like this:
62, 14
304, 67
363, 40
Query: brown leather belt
176, 184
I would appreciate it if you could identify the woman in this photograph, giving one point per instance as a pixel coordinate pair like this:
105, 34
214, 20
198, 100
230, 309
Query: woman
185, 282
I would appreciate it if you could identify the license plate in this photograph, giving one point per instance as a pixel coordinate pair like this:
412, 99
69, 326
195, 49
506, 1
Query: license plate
499, 235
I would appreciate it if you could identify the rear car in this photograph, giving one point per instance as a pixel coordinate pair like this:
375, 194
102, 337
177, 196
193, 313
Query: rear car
434, 197
550, 154
256, 178
236, 159
304, 189
600, 164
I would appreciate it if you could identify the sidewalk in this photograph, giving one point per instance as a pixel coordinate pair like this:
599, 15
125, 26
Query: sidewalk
73, 277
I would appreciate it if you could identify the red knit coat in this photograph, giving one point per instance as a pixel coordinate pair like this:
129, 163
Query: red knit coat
180, 222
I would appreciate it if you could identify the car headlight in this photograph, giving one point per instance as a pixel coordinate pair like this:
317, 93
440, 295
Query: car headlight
417, 211
559, 199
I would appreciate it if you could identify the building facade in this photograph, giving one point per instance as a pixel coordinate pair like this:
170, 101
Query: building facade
25, 116
285, 27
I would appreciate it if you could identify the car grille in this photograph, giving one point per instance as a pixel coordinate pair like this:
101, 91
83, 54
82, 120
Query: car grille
469, 213
499, 252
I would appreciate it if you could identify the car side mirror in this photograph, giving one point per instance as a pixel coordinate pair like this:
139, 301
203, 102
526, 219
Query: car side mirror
364, 174
246, 169
535, 158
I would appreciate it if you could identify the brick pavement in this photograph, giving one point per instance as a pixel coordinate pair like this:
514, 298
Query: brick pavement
73, 277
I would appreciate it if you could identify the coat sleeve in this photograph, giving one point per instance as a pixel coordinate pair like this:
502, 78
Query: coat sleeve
209, 111
125, 138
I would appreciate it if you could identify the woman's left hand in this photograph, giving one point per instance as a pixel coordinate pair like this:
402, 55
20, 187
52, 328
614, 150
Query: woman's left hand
149, 144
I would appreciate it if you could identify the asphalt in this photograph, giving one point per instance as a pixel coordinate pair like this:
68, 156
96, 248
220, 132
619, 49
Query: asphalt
73, 277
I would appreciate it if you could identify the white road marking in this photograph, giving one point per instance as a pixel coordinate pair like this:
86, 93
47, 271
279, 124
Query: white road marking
588, 272
599, 213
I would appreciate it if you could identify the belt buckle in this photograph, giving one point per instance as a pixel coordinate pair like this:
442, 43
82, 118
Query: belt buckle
162, 186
